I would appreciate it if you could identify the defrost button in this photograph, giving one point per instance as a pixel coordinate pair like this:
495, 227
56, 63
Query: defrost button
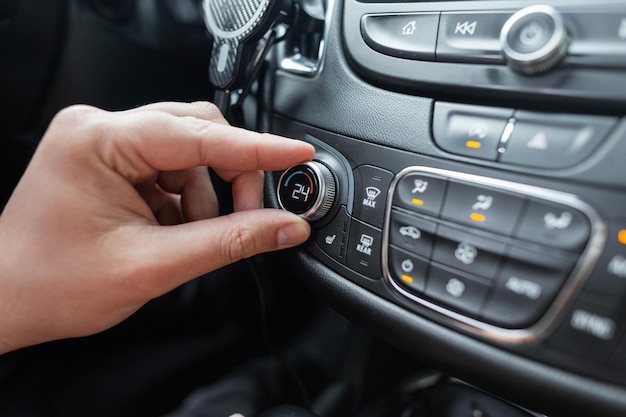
364, 247
371, 186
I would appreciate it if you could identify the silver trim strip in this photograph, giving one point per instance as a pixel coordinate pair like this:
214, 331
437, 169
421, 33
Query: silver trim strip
546, 324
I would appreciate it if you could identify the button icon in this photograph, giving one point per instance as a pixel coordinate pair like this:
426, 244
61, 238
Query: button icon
593, 324
455, 288
483, 202
365, 245
538, 142
370, 196
407, 266
420, 186
465, 28
617, 266
523, 287
409, 28
411, 231
330, 239
561, 222
532, 35
466, 253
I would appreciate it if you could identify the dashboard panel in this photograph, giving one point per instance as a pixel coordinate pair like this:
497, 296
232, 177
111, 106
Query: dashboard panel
478, 219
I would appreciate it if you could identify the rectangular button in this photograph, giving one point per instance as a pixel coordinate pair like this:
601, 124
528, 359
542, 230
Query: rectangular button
371, 187
402, 35
482, 207
597, 37
473, 131
471, 37
412, 233
420, 192
461, 292
470, 253
553, 225
364, 249
407, 270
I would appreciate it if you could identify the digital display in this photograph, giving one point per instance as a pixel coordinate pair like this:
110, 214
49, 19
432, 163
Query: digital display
299, 189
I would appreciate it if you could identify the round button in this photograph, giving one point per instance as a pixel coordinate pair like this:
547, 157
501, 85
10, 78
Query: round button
307, 190
534, 39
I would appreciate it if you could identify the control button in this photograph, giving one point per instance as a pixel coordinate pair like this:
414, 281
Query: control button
364, 249
307, 190
402, 35
473, 131
534, 39
553, 225
467, 252
597, 38
592, 328
411, 233
371, 186
461, 292
420, 192
470, 37
333, 237
555, 140
609, 277
480, 207
407, 270
524, 291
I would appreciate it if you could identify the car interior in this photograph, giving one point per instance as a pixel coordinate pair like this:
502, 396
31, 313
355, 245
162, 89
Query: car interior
467, 201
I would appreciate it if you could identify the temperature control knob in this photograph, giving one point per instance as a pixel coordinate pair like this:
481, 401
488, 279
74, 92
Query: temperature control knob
307, 190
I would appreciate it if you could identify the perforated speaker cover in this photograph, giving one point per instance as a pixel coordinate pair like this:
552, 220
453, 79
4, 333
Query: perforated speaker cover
235, 26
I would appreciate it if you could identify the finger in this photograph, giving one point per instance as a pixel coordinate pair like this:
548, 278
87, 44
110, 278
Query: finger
146, 142
165, 207
198, 198
179, 253
247, 190
200, 109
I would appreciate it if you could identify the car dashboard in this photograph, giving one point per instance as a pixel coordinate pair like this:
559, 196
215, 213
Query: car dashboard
477, 200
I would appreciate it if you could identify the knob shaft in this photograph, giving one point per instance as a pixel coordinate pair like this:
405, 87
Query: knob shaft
307, 190
534, 39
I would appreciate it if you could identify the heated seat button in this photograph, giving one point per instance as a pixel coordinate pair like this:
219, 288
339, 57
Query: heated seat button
482, 207
371, 186
470, 37
473, 131
467, 252
554, 141
525, 290
461, 292
407, 270
422, 193
553, 225
364, 249
333, 237
403, 35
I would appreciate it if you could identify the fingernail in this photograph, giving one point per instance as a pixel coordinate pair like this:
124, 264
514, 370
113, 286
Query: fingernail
292, 234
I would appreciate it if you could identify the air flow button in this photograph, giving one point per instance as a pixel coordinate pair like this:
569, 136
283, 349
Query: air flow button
422, 193
402, 35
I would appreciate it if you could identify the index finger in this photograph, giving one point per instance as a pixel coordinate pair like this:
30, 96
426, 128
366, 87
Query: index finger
151, 141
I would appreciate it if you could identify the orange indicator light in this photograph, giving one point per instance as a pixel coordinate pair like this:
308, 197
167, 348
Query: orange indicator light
477, 217
473, 144
417, 201
621, 236
407, 278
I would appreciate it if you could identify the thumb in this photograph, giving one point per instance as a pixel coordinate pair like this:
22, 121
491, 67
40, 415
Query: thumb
182, 252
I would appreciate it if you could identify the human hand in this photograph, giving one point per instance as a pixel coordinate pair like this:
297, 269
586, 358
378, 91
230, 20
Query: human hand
117, 208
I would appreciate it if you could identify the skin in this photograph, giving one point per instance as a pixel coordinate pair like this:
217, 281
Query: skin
116, 209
